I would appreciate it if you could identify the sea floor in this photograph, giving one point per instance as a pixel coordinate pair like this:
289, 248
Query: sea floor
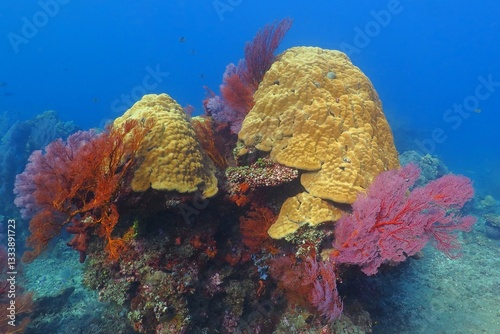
433, 294
436, 294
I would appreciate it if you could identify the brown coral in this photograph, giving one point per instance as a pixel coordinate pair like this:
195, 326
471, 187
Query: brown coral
173, 159
317, 112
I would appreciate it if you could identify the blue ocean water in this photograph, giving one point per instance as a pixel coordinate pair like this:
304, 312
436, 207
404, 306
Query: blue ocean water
435, 64
86, 60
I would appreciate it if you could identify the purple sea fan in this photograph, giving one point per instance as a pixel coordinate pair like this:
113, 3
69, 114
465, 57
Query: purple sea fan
222, 112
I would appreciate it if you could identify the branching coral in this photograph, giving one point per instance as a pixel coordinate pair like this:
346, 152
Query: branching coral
263, 173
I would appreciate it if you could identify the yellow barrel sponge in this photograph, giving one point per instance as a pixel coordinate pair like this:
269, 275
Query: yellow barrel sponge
317, 112
172, 158
300, 210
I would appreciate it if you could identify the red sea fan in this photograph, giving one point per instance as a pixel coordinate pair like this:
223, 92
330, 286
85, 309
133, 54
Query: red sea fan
26, 187
254, 227
240, 82
390, 223
324, 294
78, 179
309, 283
239, 98
259, 54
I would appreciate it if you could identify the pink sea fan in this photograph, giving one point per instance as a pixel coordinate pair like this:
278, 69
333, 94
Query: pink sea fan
390, 223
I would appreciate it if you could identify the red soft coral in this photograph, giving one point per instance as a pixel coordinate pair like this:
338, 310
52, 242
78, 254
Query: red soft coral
259, 53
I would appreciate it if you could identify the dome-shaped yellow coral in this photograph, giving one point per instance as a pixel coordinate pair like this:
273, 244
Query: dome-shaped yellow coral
172, 157
317, 112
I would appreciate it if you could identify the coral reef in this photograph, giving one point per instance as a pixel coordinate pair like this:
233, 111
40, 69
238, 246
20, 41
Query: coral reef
188, 226
317, 113
300, 210
240, 82
492, 226
19, 140
430, 167
259, 54
254, 228
79, 179
212, 145
262, 173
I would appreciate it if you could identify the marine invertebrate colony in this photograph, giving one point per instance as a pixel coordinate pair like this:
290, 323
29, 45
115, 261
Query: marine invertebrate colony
388, 224
172, 158
78, 179
240, 82
332, 129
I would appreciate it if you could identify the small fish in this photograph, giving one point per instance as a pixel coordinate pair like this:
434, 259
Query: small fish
477, 110
3, 84
182, 39
95, 100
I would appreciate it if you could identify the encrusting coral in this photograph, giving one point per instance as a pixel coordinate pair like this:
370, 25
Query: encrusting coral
173, 159
317, 112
